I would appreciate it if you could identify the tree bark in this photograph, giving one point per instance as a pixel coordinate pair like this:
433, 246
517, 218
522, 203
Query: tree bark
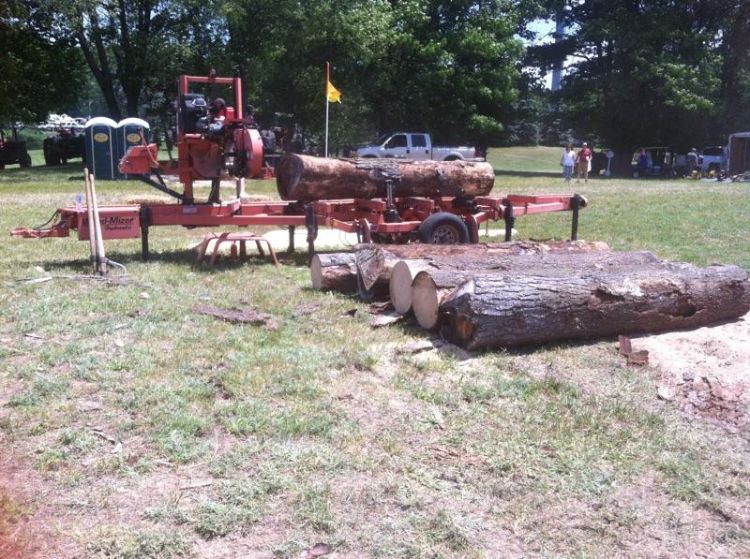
472, 258
334, 272
374, 263
432, 287
303, 177
510, 309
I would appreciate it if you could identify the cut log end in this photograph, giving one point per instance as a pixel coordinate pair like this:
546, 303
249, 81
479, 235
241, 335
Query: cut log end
425, 301
288, 174
333, 272
399, 285
316, 273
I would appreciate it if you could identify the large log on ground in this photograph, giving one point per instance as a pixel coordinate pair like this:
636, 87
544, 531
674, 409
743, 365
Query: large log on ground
338, 271
508, 309
334, 272
436, 283
376, 263
306, 178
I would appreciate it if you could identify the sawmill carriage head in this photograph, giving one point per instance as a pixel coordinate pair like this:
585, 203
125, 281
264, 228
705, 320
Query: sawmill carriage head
215, 139
217, 135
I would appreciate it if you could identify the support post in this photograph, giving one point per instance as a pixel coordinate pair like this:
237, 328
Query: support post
576, 203
509, 219
145, 217
311, 222
290, 248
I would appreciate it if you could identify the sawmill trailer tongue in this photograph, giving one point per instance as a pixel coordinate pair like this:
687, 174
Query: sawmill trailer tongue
217, 141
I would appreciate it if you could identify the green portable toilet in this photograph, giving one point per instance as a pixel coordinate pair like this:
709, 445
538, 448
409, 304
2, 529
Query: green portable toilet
99, 139
130, 132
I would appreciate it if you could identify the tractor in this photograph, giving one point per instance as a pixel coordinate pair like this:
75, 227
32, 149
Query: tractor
13, 151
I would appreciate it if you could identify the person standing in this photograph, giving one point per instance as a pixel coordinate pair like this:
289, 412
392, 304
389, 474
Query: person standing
568, 160
642, 164
584, 162
692, 162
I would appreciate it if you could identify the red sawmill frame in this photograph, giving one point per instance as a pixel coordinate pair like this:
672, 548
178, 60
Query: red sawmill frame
386, 219
364, 217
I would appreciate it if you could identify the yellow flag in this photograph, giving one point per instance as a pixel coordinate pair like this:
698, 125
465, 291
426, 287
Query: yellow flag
334, 95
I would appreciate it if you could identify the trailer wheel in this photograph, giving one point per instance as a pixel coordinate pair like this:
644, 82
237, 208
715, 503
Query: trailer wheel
25, 161
443, 228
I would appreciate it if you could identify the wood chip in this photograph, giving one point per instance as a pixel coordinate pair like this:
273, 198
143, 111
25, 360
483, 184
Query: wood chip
37, 280
196, 485
638, 358
386, 319
100, 433
305, 309
665, 393
416, 347
318, 550
437, 416
240, 316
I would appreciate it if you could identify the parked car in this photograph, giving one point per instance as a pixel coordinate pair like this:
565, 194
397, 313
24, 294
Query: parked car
712, 159
414, 145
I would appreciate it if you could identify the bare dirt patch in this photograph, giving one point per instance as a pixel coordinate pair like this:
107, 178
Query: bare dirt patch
23, 528
707, 371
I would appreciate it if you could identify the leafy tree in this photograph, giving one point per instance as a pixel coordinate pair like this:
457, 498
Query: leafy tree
281, 48
136, 48
38, 75
735, 74
641, 72
448, 67
451, 67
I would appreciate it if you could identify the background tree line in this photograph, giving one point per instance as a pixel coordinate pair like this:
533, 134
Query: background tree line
671, 72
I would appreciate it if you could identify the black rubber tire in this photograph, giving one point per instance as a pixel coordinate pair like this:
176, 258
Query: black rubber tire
443, 228
452, 158
25, 161
50, 154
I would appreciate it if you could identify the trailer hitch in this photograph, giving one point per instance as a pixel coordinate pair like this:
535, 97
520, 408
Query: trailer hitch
56, 226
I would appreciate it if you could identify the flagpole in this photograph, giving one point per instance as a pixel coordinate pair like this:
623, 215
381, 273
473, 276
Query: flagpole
328, 80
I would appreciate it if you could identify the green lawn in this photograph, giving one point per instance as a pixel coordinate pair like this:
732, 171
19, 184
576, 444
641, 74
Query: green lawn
148, 430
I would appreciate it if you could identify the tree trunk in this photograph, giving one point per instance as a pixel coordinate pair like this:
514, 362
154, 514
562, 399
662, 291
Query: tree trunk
432, 287
498, 256
303, 177
508, 309
334, 272
374, 263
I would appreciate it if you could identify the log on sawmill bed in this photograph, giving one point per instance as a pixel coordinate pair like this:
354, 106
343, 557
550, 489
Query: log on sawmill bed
303, 177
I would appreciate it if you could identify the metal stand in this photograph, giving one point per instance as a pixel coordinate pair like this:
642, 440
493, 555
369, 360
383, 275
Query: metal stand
240, 238
290, 248
145, 217
576, 206
311, 222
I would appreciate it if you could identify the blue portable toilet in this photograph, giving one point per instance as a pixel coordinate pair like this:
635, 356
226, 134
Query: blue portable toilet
130, 132
99, 140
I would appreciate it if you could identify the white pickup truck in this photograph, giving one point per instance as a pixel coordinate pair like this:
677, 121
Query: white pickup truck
414, 145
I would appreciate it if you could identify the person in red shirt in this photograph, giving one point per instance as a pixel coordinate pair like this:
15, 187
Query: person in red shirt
584, 162
217, 113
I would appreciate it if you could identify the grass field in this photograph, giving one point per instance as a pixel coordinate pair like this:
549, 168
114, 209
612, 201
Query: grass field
132, 427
